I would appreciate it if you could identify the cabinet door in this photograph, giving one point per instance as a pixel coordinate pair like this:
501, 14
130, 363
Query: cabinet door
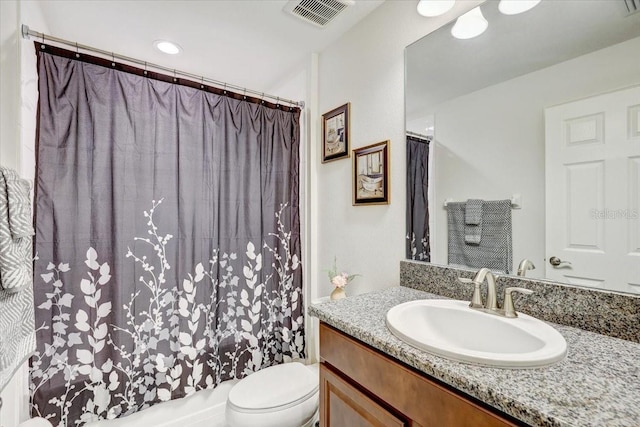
419, 399
343, 405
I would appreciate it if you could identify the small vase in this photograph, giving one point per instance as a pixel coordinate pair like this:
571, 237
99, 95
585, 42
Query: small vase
338, 293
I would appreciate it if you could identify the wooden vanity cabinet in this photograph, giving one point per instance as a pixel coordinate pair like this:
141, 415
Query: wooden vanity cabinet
345, 405
361, 387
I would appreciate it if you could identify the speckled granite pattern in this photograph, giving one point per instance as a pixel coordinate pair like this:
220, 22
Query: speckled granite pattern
598, 384
609, 313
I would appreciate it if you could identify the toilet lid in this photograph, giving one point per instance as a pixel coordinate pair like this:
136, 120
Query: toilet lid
274, 388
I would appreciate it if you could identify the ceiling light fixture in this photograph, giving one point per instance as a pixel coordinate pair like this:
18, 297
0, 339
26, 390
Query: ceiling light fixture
470, 25
167, 47
513, 7
432, 8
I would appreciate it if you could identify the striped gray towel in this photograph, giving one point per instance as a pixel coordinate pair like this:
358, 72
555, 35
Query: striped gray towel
494, 250
473, 221
18, 195
473, 212
16, 263
17, 331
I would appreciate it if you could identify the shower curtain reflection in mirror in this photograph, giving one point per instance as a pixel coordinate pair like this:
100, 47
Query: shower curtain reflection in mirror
417, 238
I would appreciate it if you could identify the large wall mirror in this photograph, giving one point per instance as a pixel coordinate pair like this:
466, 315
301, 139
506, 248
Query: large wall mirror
542, 108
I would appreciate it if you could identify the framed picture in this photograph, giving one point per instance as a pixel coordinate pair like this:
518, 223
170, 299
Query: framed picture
371, 174
335, 133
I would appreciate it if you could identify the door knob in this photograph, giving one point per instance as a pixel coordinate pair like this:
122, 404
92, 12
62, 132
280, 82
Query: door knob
555, 261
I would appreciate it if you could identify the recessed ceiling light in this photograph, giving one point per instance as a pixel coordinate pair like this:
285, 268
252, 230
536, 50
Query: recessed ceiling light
513, 7
167, 47
470, 25
434, 7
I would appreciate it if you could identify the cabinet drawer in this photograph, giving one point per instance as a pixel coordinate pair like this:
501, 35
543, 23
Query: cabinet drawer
420, 399
343, 405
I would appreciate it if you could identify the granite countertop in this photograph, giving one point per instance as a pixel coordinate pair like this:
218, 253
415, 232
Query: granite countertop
597, 384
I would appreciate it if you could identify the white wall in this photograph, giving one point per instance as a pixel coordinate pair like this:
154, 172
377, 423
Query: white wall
490, 143
32, 16
9, 78
13, 402
18, 87
366, 67
18, 106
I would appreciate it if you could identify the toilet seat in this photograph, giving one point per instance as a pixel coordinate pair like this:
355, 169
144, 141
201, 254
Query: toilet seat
280, 396
36, 422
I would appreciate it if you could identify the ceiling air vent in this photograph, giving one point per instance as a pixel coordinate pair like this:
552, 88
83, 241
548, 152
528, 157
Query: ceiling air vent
317, 12
632, 6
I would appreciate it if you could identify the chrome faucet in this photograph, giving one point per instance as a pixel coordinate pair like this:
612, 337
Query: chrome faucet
478, 279
491, 305
525, 265
492, 302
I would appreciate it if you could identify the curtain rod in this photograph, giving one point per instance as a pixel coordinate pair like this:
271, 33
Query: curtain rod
419, 135
516, 202
27, 32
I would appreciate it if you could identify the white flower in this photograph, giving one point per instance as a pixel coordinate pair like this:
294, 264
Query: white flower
339, 281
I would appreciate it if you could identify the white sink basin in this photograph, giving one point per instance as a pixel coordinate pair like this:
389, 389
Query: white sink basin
451, 329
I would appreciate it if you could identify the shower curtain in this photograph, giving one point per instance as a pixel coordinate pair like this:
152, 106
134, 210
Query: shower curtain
417, 247
167, 239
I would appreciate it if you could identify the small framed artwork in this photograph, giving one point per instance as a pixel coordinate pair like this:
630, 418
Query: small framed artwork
335, 133
371, 174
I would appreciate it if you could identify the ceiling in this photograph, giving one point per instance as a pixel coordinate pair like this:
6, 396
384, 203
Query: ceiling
440, 67
248, 43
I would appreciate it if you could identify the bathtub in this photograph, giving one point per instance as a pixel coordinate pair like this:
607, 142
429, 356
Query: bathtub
202, 409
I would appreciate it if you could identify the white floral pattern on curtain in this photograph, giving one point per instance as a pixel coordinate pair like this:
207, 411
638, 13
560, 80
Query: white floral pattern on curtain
150, 374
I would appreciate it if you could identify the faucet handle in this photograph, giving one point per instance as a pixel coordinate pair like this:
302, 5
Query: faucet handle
476, 300
509, 309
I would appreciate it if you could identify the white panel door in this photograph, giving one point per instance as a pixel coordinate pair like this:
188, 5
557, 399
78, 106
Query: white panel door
593, 191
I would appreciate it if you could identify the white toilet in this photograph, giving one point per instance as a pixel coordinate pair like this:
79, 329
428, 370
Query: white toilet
279, 396
36, 422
